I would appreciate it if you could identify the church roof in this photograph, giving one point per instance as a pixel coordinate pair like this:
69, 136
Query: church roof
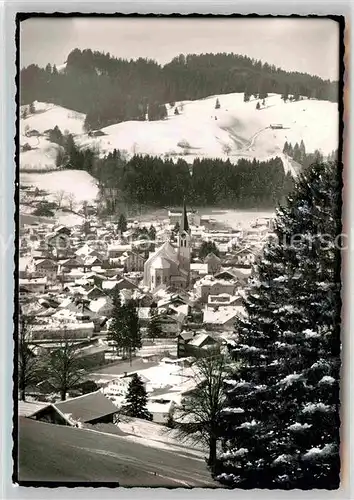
184, 223
160, 263
166, 251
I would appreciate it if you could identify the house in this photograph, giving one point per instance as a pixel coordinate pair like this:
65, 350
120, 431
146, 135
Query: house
182, 340
223, 299
46, 268
92, 408
117, 388
87, 251
58, 241
221, 318
116, 250
56, 330
125, 284
92, 261
240, 274
132, 261
62, 230
102, 306
197, 271
34, 285
195, 344
210, 285
67, 265
94, 293
161, 409
213, 263
201, 344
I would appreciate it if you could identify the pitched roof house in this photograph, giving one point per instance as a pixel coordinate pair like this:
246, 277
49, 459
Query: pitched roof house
92, 408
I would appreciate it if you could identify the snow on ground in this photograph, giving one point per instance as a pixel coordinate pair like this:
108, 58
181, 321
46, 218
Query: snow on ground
77, 182
42, 157
156, 432
47, 116
238, 125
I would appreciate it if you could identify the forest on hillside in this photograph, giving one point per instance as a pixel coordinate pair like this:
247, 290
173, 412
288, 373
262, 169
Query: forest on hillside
154, 181
111, 90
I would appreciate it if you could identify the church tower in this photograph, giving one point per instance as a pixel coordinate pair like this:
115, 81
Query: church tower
184, 242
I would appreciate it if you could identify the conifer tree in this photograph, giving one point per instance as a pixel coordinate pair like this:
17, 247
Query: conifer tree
122, 223
176, 111
32, 108
258, 106
302, 152
136, 399
246, 96
154, 328
296, 153
286, 148
115, 331
281, 427
217, 104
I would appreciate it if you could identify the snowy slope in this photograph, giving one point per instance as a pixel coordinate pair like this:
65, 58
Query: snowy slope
78, 182
47, 116
238, 125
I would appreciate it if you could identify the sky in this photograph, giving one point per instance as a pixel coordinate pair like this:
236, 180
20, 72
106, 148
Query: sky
305, 45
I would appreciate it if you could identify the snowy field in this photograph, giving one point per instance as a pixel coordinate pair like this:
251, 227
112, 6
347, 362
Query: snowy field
78, 182
203, 131
47, 116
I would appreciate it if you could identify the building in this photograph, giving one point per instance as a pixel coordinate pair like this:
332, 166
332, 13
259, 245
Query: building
161, 409
46, 268
170, 266
195, 344
209, 285
92, 408
132, 262
35, 285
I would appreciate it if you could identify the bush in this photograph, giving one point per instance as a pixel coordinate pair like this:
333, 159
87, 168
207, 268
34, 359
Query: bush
26, 147
43, 211
183, 144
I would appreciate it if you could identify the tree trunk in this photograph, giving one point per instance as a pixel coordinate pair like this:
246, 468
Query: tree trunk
22, 394
212, 452
63, 394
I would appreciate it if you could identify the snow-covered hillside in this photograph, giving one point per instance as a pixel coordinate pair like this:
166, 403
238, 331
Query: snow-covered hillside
47, 116
81, 184
237, 129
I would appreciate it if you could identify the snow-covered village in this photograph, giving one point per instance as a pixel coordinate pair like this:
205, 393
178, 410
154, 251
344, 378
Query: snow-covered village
175, 326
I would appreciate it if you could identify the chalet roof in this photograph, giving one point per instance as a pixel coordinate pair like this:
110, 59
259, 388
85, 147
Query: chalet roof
222, 315
28, 408
212, 257
200, 338
186, 335
88, 407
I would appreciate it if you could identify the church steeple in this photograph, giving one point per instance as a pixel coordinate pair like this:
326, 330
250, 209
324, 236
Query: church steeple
184, 222
184, 242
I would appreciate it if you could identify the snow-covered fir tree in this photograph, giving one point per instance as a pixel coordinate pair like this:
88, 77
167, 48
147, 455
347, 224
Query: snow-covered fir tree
136, 399
282, 418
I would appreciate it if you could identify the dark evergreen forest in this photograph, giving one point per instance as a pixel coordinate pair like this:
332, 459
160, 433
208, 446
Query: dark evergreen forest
110, 90
161, 182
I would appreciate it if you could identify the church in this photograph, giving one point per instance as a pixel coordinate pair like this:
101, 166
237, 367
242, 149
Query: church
170, 265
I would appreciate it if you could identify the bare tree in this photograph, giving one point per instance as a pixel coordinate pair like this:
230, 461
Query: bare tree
59, 196
28, 368
71, 201
201, 411
63, 366
226, 149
